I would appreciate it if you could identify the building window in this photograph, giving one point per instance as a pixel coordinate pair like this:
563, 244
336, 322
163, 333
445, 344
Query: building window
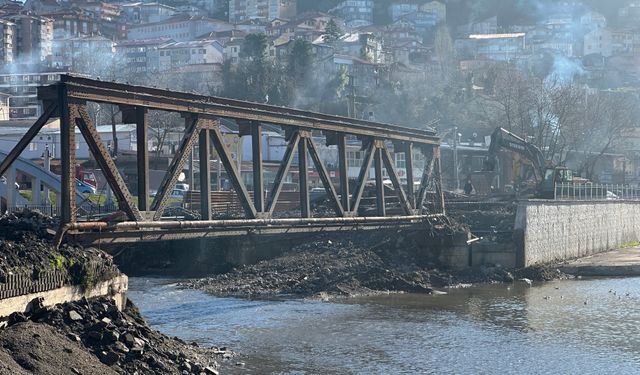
400, 160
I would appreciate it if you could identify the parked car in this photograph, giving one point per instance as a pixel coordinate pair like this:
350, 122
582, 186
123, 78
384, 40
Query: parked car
177, 193
84, 188
182, 186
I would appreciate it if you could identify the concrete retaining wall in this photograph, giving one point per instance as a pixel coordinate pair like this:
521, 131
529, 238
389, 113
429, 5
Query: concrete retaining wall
551, 231
115, 288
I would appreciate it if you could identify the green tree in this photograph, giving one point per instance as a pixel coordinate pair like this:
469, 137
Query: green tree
254, 48
332, 32
299, 61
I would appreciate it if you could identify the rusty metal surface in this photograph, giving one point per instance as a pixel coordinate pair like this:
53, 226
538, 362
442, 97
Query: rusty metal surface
116, 93
68, 98
393, 176
233, 173
324, 176
177, 163
104, 160
363, 176
129, 232
142, 157
282, 172
67, 159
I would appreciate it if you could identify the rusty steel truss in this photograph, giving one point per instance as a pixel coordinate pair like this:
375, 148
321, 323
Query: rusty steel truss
68, 101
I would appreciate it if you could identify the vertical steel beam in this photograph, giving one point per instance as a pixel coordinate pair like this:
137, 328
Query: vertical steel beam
204, 150
142, 135
67, 159
408, 158
27, 138
393, 176
363, 177
234, 174
303, 171
104, 160
343, 170
379, 182
324, 176
258, 183
282, 171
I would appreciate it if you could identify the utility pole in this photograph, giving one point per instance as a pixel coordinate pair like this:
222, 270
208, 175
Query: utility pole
109, 195
455, 157
352, 97
47, 167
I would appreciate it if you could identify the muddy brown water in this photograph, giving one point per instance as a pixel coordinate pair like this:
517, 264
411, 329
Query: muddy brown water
561, 327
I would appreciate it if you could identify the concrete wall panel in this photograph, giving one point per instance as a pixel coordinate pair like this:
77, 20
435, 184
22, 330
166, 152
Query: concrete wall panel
554, 231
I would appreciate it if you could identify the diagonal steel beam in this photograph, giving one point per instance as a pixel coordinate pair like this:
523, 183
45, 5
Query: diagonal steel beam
426, 178
27, 138
177, 164
282, 172
393, 175
232, 171
324, 176
104, 160
363, 176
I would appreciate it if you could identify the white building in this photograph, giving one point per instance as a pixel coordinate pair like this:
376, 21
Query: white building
178, 54
180, 28
356, 13
265, 10
598, 41
9, 137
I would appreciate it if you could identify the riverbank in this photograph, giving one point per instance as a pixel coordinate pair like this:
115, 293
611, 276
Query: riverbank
89, 336
356, 264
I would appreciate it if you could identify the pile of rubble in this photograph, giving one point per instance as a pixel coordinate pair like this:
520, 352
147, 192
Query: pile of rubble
122, 340
338, 265
108, 340
16, 226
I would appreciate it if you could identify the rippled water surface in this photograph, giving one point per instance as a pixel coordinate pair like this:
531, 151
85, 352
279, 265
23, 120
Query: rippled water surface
562, 327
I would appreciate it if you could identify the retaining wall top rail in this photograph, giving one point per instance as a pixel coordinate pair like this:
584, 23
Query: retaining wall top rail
596, 192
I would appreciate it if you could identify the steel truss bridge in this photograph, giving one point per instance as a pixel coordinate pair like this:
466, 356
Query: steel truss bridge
144, 221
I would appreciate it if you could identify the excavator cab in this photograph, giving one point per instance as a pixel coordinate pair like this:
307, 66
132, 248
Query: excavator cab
553, 176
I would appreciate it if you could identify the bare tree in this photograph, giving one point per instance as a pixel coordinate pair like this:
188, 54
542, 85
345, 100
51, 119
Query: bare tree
608, 118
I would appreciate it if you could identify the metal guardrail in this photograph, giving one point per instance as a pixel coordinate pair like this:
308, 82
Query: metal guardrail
590, 191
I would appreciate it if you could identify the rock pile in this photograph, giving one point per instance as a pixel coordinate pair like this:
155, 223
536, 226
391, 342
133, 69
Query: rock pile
16, 226
334, 265
123, 340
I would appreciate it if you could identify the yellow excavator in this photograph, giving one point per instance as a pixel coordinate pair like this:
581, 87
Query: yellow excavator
547, 174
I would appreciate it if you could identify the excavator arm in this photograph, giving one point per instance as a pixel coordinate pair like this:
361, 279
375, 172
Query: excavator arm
502, 138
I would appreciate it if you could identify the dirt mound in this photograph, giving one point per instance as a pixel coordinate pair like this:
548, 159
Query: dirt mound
340, 265
105, 337
27, 349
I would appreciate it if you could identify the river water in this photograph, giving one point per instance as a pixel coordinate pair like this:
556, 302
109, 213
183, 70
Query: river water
561, 327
